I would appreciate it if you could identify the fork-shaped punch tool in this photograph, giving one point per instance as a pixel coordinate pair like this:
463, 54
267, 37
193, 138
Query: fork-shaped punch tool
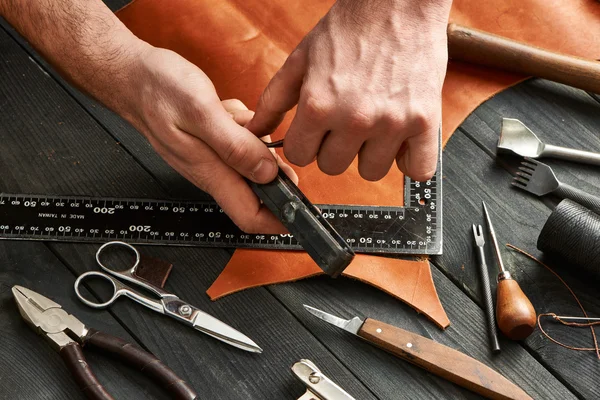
486, 289
539, 179
68, 335
434, 357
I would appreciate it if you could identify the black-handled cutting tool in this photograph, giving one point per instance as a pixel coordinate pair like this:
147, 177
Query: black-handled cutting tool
68, 335
316, 235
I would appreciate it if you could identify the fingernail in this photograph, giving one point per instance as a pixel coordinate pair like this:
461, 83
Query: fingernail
265, 171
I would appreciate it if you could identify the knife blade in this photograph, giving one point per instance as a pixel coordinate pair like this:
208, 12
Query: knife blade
434, 357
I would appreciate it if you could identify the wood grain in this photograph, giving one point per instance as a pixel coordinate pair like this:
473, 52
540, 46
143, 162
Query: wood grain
116, 160
440, 360
515, 315
478, 47
213, 368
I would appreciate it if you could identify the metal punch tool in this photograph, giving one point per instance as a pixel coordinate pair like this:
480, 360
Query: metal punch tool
167, 303
318, 386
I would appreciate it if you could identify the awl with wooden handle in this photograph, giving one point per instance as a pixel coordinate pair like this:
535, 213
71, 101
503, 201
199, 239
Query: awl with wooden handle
434, 357
483, 48
515, 314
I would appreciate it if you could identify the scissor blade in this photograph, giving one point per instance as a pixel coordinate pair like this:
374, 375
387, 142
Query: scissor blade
351, 325
219, 330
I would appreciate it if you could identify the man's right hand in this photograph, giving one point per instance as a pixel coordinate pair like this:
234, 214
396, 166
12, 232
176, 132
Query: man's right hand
175, 105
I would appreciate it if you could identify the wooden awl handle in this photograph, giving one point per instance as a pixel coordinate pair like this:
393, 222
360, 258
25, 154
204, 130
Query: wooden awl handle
478, 47
515, 314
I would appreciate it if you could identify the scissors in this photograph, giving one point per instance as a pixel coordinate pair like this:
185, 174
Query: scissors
168, 303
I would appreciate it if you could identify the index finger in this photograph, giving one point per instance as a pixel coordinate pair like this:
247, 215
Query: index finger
280, 95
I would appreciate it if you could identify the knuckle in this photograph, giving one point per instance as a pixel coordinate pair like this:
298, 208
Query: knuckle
315, 107
296, 158
236, 153
330, 168
422, 120
372, 174
361, 119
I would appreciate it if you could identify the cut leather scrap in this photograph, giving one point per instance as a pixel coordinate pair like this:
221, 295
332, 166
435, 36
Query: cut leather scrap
153, 270
408, 281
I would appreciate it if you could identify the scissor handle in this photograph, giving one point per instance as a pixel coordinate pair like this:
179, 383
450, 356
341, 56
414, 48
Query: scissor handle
119, 290
128, 274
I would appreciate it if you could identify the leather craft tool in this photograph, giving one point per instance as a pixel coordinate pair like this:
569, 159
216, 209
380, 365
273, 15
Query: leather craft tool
305, 221
572, 234
514, 312
68, 335
485, 289
517, 138
168, 303
415, 228
318, 386
483, 48
434, 357
539, 179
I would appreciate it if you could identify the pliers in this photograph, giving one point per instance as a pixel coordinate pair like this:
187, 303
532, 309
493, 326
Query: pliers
68, 335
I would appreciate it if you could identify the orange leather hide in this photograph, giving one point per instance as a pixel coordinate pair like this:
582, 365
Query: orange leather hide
240, 44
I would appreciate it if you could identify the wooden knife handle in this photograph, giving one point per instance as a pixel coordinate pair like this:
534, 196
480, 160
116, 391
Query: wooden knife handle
441, 360
478, 47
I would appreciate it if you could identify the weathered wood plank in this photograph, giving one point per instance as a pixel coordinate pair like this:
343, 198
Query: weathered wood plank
215, 369
386, 374
472, 174
30, 368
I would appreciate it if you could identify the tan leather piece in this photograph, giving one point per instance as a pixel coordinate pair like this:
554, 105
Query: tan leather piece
240, 44
410, 281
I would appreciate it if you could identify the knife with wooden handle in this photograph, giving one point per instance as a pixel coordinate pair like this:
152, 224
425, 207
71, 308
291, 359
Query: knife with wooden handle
434, 357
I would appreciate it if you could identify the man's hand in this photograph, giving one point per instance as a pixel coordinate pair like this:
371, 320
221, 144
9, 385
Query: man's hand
367, 80
202, 137
164, 96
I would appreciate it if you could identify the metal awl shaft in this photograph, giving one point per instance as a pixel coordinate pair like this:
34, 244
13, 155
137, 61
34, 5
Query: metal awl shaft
494, 240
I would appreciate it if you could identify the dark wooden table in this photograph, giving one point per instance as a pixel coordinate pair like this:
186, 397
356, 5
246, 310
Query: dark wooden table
55, 140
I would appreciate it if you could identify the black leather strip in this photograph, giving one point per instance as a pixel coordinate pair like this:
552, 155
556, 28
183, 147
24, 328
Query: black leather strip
85, 378
143, 361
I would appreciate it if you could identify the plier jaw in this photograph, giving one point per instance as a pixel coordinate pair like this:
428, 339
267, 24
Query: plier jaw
48, 319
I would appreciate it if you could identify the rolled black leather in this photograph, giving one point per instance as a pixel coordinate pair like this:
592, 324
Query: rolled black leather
85, 378
141, 360
572, 233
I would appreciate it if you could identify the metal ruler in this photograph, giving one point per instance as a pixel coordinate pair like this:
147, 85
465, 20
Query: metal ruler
415, 228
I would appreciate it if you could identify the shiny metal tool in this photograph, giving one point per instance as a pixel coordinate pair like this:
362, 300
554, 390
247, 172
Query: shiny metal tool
436, 358
168, 303
318, 386
68, 335
539, 179
486, 289
514, 312
517, 138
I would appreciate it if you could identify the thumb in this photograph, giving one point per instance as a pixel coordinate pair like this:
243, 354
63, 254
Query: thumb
236, 146
280, 95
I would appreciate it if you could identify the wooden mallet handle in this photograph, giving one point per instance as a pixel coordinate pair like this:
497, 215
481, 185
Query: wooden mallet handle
478, 47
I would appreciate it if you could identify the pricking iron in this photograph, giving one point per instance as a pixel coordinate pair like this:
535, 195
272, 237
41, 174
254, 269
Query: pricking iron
316, 235
319, 387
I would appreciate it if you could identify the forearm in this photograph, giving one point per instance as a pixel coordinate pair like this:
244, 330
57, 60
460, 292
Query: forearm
84, 40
